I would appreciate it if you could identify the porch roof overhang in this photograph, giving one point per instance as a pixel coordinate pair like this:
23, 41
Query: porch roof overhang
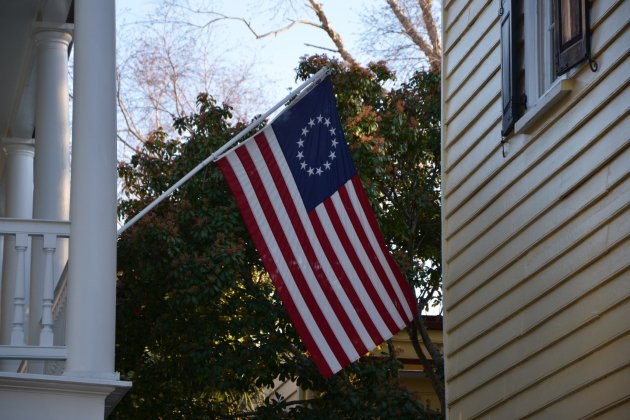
17, 76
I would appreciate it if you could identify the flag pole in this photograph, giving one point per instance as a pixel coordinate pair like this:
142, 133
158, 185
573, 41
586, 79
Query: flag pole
294, 94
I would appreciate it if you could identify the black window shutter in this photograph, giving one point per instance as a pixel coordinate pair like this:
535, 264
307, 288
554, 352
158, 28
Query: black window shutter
571, 34
509, 68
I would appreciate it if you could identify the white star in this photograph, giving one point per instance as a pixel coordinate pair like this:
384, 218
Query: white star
319, 171
332, 131
300, 155
327, 165
334, 143
311, 171
304, 131
300, 143
332, 155
303, 165
327, 122
311, 122
319, 118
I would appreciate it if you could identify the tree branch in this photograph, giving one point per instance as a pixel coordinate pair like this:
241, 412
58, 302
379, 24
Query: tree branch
426, 7
131, 127
429, 368
123, 141
334, 36
432, 56
320, 47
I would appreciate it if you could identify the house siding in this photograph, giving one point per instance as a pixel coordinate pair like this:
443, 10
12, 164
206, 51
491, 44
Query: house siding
536, 244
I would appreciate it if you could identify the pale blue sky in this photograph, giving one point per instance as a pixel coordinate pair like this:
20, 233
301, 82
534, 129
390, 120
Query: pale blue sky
277, 56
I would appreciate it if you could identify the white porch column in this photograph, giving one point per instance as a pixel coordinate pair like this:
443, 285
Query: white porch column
51, 198
90, 333
19, 204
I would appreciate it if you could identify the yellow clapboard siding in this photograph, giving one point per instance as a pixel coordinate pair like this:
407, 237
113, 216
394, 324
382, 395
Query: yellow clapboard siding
480, 75
506, 293
574, 114
608, 390
614, 49
529, 322
536, 255
475, 247
617, 409
476, 108
604, 367
536, 245
458, 28
461, 50
525, 364
477, 57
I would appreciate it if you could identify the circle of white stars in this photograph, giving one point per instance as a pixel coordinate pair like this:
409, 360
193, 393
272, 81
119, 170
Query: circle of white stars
332, 155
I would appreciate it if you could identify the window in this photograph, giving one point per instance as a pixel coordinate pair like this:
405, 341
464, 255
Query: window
541, 40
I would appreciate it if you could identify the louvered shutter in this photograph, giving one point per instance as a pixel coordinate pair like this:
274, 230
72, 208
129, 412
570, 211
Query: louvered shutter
509, 69
571, 34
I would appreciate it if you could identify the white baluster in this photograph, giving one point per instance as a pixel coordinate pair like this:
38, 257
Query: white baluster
17, 333
46, 333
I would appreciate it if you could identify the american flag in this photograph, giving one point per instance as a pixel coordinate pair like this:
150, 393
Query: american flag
311, 222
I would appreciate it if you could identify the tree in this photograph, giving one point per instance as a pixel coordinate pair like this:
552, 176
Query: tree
156, 82
405, 33
200, 330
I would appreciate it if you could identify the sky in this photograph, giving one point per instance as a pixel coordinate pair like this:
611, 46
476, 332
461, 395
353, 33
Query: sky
276, 56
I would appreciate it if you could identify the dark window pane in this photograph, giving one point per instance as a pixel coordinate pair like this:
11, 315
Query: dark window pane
570, 20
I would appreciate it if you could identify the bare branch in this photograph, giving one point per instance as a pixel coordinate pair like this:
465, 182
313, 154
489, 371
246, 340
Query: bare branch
426, 7
275, 31
414, 35
320, 47
324, 25
334, 36
123, 141
131, 127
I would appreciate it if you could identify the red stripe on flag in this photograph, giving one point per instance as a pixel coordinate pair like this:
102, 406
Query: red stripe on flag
344, 281
371, 219
289, 257
358, 266
324, 282
265, 255
367, 247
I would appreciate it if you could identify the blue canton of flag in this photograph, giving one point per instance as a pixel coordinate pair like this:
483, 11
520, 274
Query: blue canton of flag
311, 222
314, 146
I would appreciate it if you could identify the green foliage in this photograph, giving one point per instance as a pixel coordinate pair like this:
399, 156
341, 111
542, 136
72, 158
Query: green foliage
201, 330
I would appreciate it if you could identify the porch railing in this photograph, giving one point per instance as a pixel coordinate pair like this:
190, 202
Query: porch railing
22, 231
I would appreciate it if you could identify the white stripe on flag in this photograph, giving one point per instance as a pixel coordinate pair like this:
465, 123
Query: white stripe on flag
312, 237
358, 209
298, 251
280, 262
351, 273
373, 276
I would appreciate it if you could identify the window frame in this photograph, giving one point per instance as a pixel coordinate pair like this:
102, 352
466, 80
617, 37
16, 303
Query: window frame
546, 62
543, 88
